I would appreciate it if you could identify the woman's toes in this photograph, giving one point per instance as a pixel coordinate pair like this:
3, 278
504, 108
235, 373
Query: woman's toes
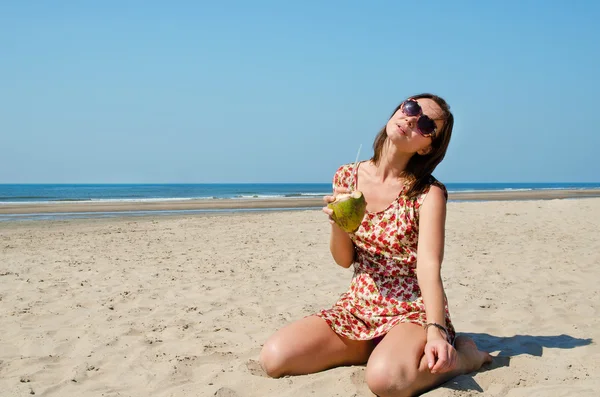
471, 357
487, 357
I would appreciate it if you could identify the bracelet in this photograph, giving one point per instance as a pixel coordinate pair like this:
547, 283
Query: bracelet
440, 327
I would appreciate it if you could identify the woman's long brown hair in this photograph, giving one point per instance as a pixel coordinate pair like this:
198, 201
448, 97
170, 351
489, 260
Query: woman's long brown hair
420, 167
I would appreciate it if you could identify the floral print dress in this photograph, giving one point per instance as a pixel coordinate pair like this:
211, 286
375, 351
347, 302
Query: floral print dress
384, 290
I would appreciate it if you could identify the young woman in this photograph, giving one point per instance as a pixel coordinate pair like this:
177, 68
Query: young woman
394, 317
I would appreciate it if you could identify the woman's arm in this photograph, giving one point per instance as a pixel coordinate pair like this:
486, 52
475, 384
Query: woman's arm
430, 253
341, 247
440, 354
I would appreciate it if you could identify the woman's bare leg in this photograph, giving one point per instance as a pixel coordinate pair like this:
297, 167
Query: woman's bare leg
309, 345
398, 367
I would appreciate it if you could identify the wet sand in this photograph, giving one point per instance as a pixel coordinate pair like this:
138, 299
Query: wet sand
229, 204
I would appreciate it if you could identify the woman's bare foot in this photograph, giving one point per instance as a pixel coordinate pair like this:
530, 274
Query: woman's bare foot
470, 358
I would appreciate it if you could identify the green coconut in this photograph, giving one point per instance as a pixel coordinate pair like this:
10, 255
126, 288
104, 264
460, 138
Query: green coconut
348, 210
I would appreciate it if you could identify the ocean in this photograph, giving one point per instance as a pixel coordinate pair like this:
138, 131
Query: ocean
44, 193
48, 193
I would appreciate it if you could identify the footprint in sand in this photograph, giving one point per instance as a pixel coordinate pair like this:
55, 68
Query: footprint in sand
226, 392
255, 369
357, 378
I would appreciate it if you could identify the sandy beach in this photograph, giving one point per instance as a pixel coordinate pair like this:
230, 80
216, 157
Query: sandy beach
180, 305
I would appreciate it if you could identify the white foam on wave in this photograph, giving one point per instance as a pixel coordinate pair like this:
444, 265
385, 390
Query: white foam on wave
257, 196
490, 190
140, 200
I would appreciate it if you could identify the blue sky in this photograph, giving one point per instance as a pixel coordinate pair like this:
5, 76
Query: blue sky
273, 91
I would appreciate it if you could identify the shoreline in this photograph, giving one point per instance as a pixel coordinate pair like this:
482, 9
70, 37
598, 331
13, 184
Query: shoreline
289, 203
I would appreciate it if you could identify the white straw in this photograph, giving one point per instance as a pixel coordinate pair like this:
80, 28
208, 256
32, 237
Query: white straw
357, 154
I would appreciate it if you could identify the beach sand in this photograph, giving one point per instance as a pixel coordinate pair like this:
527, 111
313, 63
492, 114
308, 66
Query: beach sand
180, 305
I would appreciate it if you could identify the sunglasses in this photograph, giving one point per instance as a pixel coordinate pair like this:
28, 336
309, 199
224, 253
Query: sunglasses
425, 125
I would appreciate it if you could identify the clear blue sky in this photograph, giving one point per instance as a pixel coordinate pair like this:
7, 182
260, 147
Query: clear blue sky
277, 91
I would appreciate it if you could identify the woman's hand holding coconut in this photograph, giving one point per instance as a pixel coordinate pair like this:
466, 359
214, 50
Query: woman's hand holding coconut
330, 199
346, 209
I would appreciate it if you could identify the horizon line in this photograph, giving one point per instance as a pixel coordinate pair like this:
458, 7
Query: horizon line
269, 183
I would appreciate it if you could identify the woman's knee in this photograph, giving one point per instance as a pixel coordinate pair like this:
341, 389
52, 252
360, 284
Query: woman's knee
272, 359
386, 379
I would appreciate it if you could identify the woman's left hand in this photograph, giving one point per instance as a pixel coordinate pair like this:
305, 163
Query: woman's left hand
441, 356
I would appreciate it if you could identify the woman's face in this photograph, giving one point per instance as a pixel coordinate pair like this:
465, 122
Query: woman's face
403, 130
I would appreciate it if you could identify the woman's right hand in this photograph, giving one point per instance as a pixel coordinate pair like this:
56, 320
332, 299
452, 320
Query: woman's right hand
331, 199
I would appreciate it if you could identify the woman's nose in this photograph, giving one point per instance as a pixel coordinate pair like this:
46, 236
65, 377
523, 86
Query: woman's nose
411, 121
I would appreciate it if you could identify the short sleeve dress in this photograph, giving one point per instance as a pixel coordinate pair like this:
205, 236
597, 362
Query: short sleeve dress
384, 290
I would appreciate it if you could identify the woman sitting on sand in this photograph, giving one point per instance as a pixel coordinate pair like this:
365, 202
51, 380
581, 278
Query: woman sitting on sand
394, 317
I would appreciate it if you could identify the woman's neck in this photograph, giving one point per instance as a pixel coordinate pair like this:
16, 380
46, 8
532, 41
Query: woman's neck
392, 163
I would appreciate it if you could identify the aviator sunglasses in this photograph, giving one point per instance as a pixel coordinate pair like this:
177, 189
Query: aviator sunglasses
425, 125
